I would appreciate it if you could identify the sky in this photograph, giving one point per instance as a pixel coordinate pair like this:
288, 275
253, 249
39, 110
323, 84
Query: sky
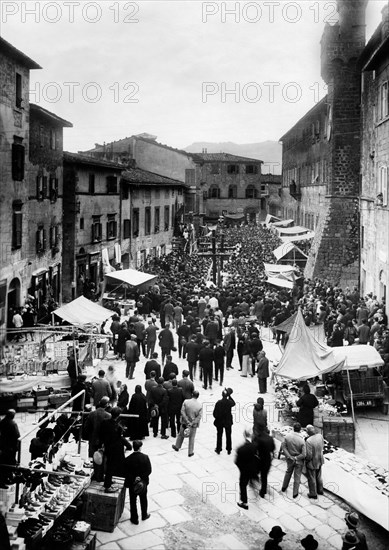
183, 71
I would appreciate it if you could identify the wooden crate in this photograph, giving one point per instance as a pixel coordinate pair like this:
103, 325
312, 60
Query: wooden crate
103, 510
88, 544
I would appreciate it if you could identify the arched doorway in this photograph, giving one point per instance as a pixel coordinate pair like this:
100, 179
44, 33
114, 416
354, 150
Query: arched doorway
13, 299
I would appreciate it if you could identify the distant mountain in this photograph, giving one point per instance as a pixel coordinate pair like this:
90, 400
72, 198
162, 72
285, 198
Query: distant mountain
268, 151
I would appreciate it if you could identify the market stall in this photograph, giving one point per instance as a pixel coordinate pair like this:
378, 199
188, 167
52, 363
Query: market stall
121, 287
290, 253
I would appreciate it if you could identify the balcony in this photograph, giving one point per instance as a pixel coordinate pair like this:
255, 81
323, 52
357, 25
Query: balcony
295, 191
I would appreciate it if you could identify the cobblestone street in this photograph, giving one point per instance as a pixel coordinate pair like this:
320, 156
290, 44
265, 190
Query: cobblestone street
192, 500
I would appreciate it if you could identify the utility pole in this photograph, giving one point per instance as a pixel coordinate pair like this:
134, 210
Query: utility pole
215, 254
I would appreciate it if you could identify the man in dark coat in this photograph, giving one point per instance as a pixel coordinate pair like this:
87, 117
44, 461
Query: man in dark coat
223, 420
111, 435
151, 338
183, 333
229, 344
186, 385
137, 465
262, 372
132, 356
307, 403
192, 354
169, 368
166, 341
219, 354
92, 428
212, 330
248, 464
152, 365
255, 346
265, 449
176, 399
9, 435
206, 358
159, 397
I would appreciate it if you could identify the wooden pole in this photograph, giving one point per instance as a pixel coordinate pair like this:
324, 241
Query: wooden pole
214, 256
351, 392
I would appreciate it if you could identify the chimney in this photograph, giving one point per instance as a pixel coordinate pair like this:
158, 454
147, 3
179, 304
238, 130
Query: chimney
385, 21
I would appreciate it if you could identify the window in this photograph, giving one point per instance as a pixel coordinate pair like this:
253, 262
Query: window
166, 193
215, 168
232, 192
112, 184
157, 193
18, 91
53, 189
251, 169
362, 236
81, 223
173, 215
126, 229
147, 193
41, 136
135, 222
41, 187
214, 192
156, 219
166, 218
97, 229
111, 227
54, 237
91, 184
383, 186
125, 190
251, 192
383, 100
147, 220
53, 139
232, 168
190, 176
40, 240
18, 159
17, 225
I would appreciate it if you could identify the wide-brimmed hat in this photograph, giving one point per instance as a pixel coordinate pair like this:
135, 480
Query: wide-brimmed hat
276, 532
352, 519
350, 537
309, 543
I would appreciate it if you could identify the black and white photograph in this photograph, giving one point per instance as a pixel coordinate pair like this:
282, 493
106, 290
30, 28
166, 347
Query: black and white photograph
194, 272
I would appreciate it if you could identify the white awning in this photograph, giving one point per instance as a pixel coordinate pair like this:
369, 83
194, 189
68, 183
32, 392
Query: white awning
275, 268
270, 219
358, 356
283, 223
131, 277
297, 238
285, 248
83, 312
298, 230
283, 283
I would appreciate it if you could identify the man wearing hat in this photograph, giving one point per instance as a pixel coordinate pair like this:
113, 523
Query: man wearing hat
159, 397
137, 465
350, 541
309, 543
314, 460
132, 356
352, 522
276, 535
294, 449
262, 371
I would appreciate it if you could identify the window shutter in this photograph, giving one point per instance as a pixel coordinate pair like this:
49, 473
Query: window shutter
39, 187
44, 188
93, 232
37, 241
17, 162
44, 240
100, 231
115, 228
51, 237
107, 226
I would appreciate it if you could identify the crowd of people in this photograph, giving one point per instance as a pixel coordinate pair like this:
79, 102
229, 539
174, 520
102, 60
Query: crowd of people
210, 325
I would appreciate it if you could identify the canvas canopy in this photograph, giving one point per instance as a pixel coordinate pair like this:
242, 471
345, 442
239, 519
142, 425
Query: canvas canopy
358, 356
316, 330
289, 231
271, 219
283, 223
297, 238
131, 277
83, 312
277, 281
304, 357
285, 249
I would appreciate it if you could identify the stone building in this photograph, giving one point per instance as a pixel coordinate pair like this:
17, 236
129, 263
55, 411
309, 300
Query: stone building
228, 184
91, 224
271, 195
335, 250
150, 206
45, 190
30, 190
375, 162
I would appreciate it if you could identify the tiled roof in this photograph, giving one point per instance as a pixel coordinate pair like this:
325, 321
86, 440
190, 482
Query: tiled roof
223, 157
137, 175
76, 158
11, 51
51, 116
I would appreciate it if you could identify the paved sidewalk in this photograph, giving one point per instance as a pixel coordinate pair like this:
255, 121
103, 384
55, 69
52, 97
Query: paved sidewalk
192, 500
